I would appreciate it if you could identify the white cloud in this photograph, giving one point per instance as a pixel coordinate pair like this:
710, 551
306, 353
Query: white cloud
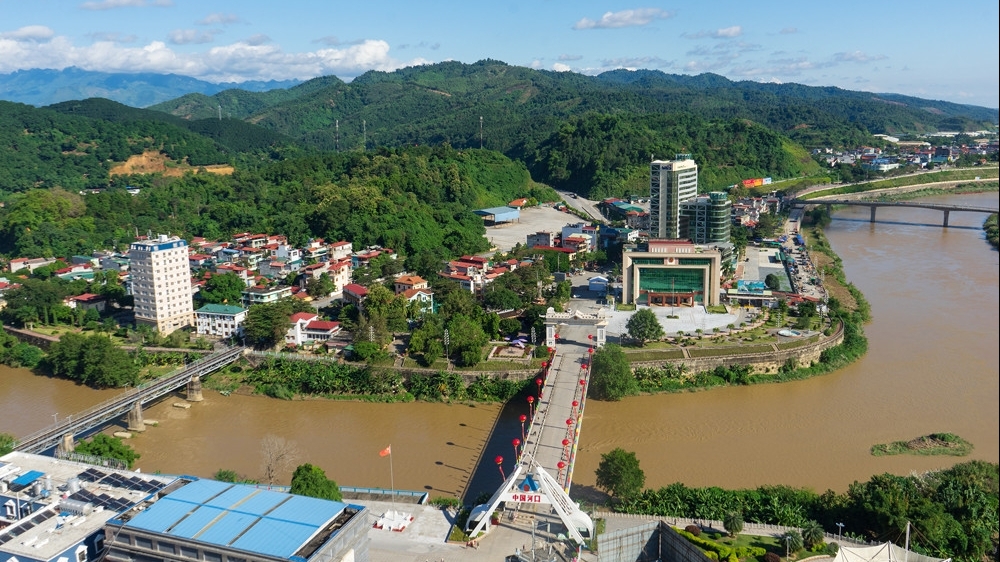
192, 36
856, 56
565, 57
244, 60
258, 39
733, 31
636, 62
112, 4
723, 33
29, 33
220, 19
536, 64
113, 37
560, 67
788, 30
624, 18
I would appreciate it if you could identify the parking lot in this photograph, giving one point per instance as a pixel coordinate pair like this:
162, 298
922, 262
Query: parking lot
533, 219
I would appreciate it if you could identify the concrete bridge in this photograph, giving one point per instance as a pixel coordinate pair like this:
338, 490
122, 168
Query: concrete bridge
873, 205
62, 434
543, 474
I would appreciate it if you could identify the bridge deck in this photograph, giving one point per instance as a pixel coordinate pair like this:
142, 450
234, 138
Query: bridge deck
562, 387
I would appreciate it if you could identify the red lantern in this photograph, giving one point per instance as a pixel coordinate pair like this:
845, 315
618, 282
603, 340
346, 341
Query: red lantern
523, 418
576, 403
591, 350
583, 382
531, 399
561, 465
566, 442
499, 461
552, 350
516, 442
569, 421
590, 336
538, 381
545, 364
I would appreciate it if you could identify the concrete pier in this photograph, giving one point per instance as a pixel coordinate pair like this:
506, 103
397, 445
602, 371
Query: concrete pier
134, 418
194, 390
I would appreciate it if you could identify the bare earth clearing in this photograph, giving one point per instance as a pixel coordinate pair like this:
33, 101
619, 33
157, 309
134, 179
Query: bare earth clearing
152, 162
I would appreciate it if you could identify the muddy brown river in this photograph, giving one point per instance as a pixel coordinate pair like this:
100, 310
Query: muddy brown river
932, 367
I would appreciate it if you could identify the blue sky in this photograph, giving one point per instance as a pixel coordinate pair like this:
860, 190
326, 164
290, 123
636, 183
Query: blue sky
928, 49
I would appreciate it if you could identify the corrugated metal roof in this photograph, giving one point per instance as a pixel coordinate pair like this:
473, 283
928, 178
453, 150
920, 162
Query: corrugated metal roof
239, 516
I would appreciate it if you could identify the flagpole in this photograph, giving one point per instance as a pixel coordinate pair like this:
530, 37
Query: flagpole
392, 482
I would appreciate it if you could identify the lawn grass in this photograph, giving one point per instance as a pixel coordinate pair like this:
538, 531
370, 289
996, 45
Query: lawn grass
654, 355
721, 351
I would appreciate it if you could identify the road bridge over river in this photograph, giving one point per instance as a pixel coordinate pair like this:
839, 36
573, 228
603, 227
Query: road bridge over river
873, 205
544, 470
129, 402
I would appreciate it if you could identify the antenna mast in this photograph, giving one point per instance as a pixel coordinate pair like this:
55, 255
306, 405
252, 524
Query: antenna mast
480, 132
220, 112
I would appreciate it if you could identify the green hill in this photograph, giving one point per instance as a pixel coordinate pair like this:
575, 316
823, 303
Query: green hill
48, 148
520, 106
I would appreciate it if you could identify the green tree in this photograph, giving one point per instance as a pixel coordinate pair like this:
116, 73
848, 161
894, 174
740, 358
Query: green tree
611, 375
223, 289
792, 540
267, 324
644, 326
772, 281
812, 534
619, 474
467, 339
320, 287
108, 447
733, 523
310, 480
92, 360
7, 443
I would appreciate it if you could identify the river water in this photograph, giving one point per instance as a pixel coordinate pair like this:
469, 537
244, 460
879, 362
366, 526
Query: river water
932, 367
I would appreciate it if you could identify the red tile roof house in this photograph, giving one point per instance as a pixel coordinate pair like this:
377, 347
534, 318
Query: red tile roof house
308, 329
86, 301
406, 282
355, 294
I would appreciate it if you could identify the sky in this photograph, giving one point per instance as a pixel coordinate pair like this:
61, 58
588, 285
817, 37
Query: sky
930, 49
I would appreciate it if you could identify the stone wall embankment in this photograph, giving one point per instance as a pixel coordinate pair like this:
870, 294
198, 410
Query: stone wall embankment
762, 363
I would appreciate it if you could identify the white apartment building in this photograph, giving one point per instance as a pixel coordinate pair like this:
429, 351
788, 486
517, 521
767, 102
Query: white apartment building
161, 283
671, 183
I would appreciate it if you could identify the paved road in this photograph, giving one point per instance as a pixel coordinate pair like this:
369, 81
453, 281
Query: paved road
587, 206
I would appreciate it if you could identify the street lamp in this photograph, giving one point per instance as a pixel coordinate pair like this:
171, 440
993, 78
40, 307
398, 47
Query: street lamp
840, 529
523, 419
531, 406
788, 541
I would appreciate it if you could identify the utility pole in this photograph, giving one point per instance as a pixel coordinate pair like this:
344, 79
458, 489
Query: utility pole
364, 131
480, 132
336, 124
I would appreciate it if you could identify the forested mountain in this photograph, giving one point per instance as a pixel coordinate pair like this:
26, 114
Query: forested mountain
417, 200
45, 148
520, 106
43, 86
602, 155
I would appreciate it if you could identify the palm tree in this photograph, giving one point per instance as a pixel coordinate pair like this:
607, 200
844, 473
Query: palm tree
812, 534
733, 523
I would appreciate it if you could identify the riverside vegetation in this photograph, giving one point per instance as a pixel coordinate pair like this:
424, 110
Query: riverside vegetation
933, 444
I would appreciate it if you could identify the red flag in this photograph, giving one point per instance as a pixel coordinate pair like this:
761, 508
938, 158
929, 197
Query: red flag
385, 452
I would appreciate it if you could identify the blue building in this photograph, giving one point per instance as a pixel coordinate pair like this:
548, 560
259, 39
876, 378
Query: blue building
54, 510
222, 522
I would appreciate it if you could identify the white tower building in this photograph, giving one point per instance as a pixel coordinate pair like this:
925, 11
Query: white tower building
161, 283
671, 182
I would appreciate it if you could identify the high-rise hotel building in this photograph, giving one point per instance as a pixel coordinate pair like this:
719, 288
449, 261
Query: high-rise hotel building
161, 283
671, 182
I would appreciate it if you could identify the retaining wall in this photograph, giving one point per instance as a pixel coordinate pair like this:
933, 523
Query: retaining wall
762, 363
